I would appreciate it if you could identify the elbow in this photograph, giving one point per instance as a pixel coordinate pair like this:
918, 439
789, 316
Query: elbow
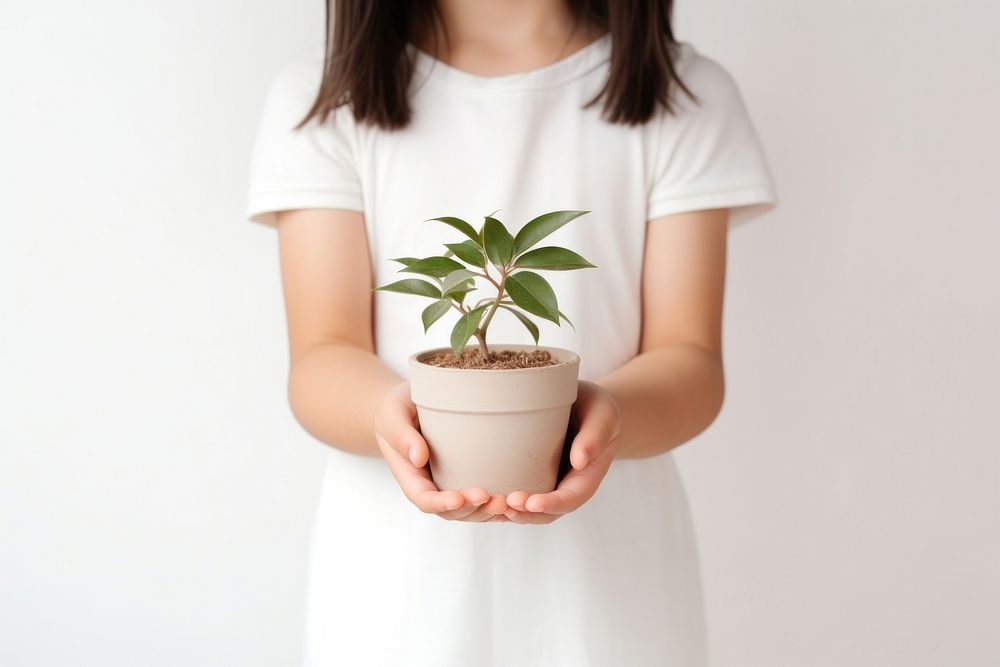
716, 393
294, 396
303, 394
712, 397
717, 396
302, 388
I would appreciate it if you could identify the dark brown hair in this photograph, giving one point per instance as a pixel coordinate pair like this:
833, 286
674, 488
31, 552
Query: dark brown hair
367, 65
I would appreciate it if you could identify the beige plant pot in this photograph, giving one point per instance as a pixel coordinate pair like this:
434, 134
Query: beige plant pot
502, 430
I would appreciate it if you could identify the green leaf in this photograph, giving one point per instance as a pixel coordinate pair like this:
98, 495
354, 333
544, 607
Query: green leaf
469, 252
562, 315
433, 312
459, 295
538, 228
460, 225
405, 261
464, 328
531, 326
534, 294
456, 279
412, 286
436, 266
498, 242
552, 258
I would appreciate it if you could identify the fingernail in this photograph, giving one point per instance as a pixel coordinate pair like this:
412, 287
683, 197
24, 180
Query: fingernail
413, 454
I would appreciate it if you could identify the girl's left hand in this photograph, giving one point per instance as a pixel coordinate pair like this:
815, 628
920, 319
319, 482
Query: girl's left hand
597, 422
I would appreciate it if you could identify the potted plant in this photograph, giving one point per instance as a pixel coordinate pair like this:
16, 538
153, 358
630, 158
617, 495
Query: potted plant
494, 416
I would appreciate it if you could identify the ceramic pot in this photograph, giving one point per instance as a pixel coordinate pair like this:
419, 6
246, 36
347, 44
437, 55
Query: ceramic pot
502, 430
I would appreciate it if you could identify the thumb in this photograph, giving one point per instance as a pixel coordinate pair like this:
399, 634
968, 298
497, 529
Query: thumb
399, 427
585, 447
597, 428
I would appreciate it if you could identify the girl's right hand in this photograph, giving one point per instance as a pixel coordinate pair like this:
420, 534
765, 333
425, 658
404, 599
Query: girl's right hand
406, 452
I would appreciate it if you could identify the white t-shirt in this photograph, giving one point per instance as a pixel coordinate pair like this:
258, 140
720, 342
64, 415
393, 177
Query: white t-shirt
615, 582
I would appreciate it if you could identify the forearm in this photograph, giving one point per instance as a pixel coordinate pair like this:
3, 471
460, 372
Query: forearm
334, 389
666, 396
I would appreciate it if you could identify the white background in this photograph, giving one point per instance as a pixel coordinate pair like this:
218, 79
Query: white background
155, 493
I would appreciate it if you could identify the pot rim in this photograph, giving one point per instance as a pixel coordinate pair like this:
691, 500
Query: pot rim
412, 360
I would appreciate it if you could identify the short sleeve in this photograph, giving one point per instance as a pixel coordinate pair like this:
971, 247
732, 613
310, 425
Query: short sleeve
312, 167
707, 154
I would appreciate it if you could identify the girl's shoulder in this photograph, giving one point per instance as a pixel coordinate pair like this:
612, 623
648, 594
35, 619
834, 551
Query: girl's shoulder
293, 90
300, 75
705, 77
705, 152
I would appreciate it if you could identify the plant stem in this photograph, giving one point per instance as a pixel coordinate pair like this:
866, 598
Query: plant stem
482, 343
480, 333
489, 278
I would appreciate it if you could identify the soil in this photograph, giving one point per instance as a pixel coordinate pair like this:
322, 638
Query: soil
494, 360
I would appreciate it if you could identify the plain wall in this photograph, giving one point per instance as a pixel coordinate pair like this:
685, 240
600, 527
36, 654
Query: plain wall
156, 494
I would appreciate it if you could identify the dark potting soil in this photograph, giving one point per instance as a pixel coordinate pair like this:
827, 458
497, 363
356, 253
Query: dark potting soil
494, 360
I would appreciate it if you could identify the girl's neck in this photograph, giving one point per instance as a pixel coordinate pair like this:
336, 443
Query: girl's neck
497, 37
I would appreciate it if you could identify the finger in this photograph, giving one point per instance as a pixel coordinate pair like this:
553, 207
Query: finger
576, 488
464, 512
560, 501
417, 485
401, 467
516, 499
489, 511
482, 515
433, 501
495, 506
398, 424
598, 422
529, 517
474, 498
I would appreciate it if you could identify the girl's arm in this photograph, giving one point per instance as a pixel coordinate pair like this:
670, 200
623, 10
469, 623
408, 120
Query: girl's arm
338, 388
335, 380
673, 389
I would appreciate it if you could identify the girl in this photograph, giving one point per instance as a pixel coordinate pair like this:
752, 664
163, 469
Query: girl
461, 107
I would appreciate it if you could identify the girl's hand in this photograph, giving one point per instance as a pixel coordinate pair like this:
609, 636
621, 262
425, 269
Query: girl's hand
407, 454
596, 421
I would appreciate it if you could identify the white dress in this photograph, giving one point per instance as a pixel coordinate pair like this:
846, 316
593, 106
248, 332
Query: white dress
616, 582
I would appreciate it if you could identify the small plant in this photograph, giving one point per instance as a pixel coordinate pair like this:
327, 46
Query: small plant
512, 259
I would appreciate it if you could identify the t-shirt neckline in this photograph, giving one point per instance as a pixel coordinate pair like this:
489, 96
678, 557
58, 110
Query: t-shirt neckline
569, 67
